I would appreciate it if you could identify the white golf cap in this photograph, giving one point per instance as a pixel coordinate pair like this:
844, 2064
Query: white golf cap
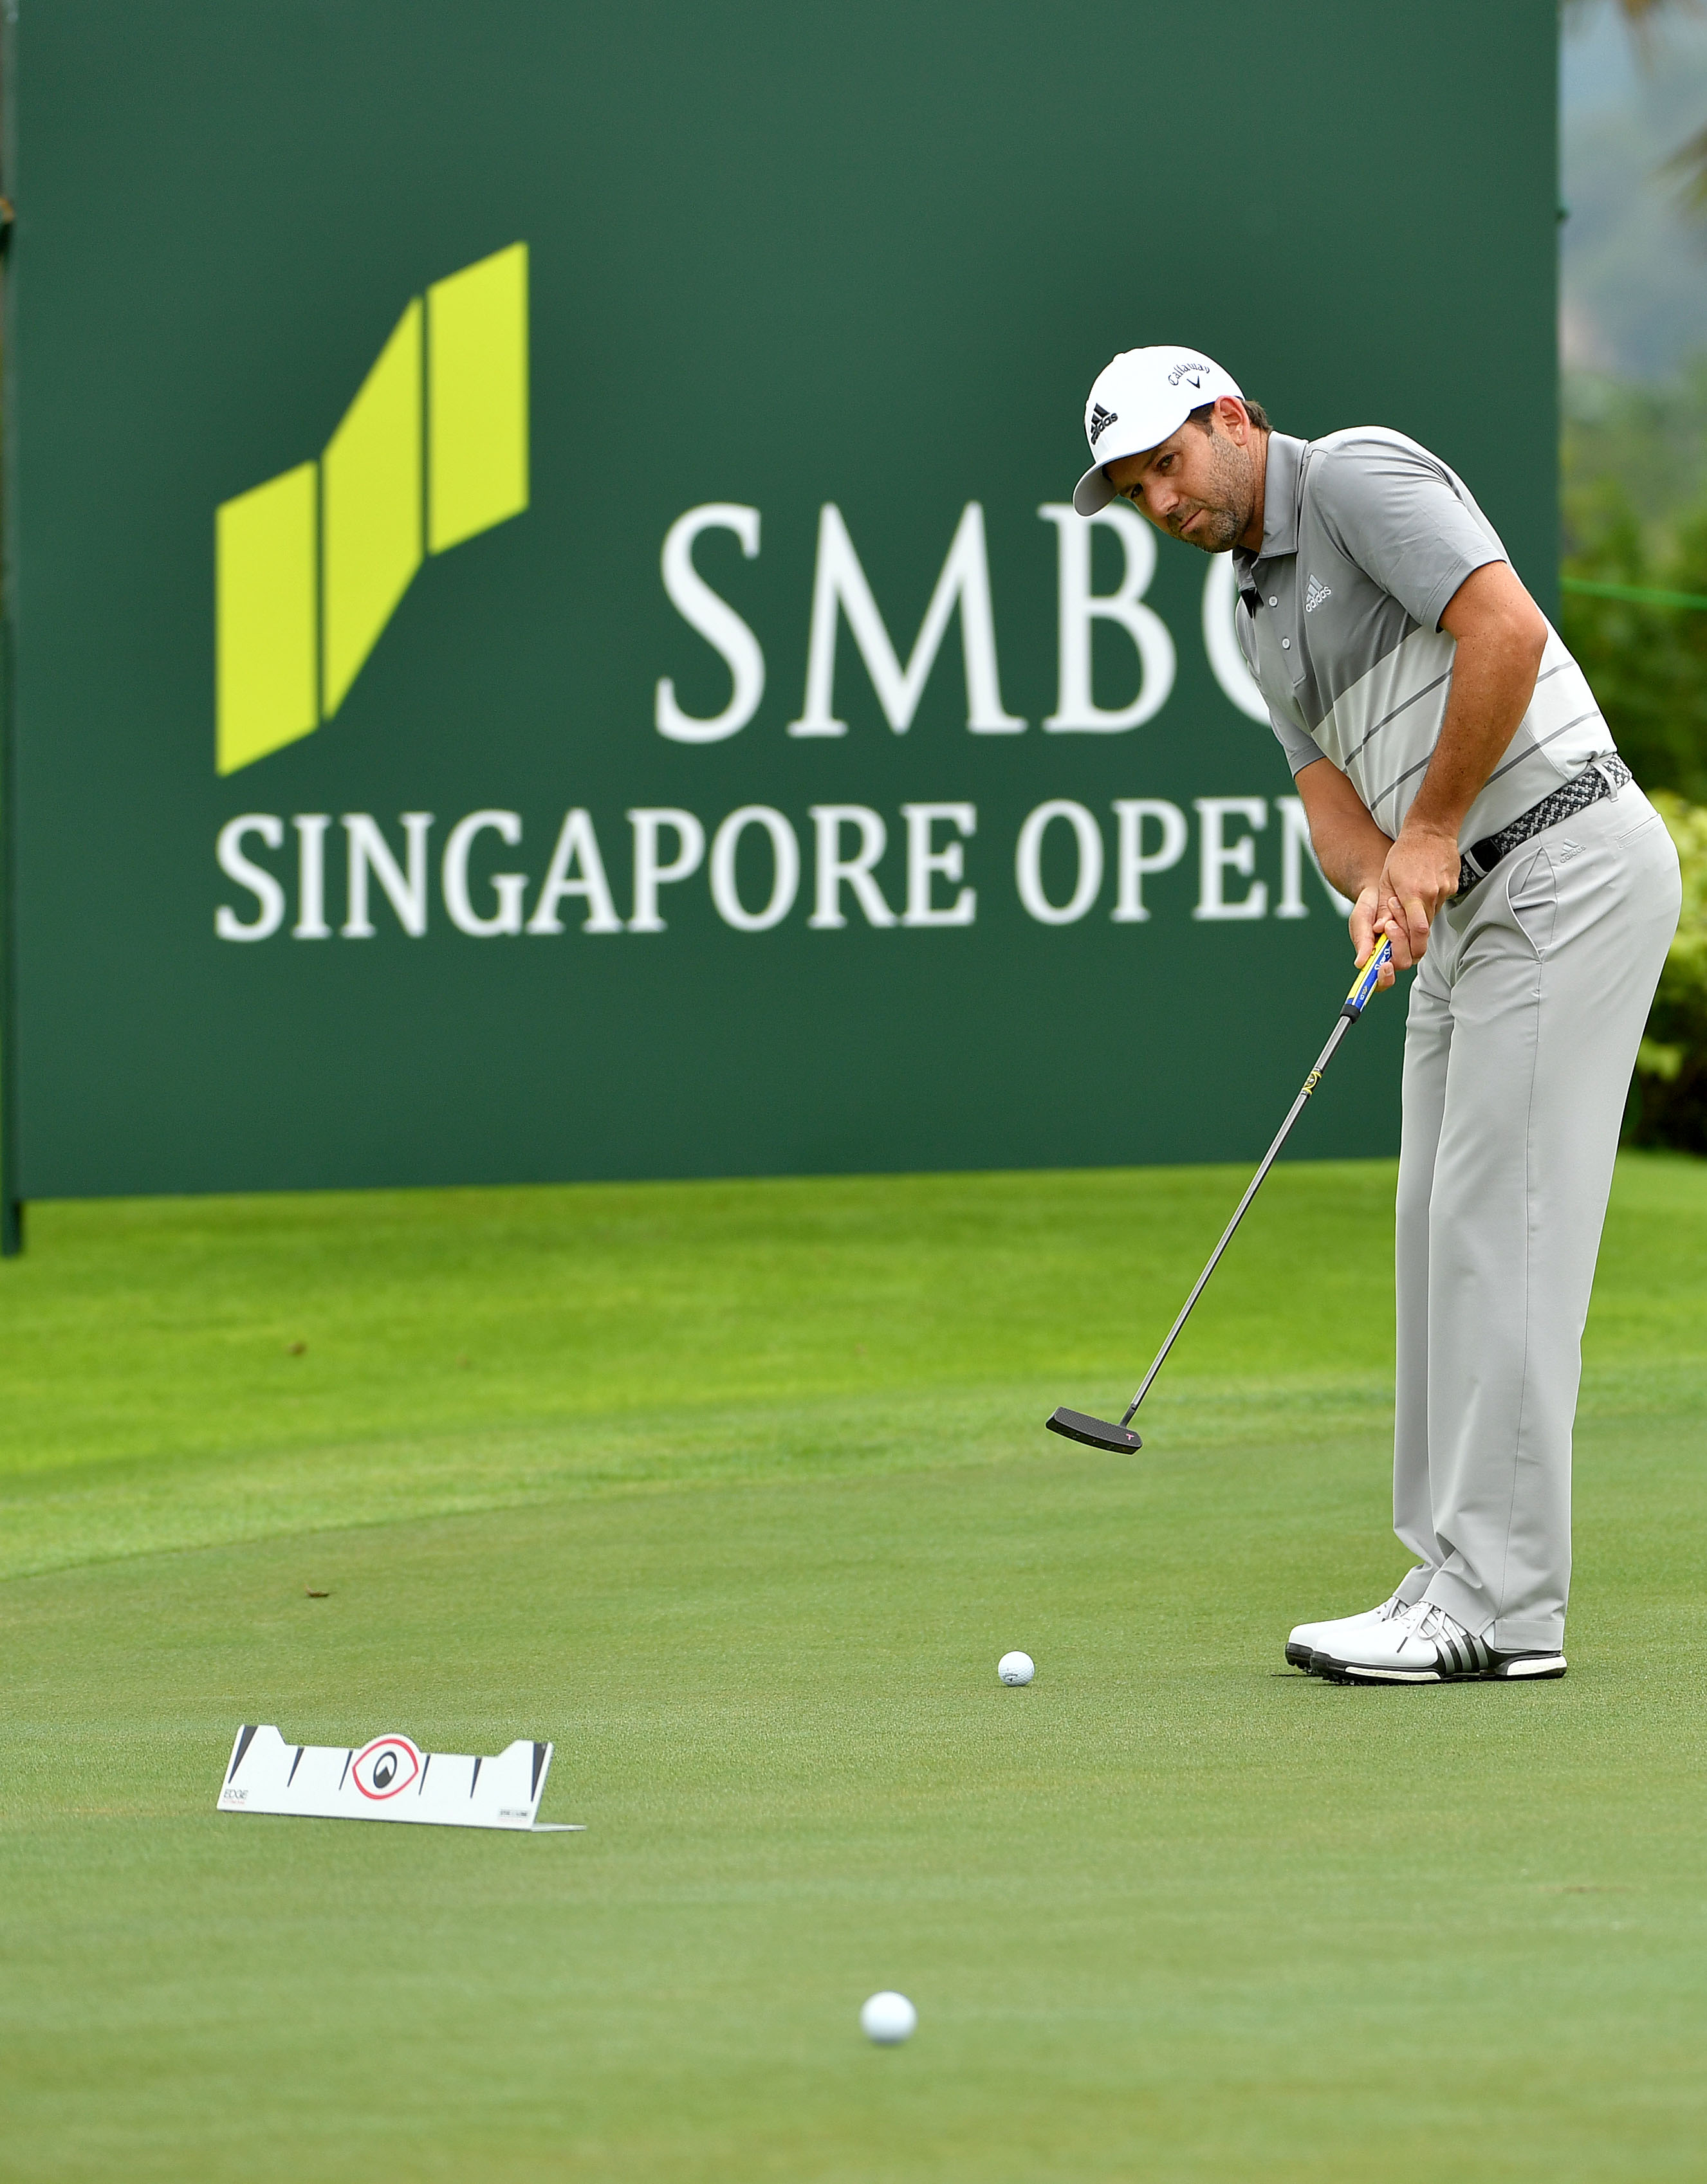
1140, 399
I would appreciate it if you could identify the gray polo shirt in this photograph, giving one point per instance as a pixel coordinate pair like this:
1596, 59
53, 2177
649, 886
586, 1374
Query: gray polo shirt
1365, 538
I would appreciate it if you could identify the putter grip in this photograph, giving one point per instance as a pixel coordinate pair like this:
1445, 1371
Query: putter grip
1364, 983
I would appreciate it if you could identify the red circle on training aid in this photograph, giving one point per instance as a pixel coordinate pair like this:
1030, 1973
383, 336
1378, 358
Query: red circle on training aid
383, 1768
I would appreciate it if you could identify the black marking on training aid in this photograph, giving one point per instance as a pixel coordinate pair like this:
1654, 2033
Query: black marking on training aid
538, 1761
348, 1757
245, 1741
476, 1778
294, 1764
425, 1764
1095, 1432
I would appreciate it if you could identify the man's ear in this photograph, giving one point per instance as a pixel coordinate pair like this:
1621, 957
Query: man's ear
1230, 416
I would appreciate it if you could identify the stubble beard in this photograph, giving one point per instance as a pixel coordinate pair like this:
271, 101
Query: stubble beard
1225, 517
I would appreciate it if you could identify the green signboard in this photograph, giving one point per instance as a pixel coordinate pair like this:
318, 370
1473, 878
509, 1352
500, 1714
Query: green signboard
544, 634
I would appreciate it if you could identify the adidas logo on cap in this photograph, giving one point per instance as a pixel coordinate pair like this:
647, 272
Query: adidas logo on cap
1136, 402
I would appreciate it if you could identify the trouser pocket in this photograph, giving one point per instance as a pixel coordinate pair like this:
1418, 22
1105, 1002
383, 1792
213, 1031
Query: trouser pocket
1532, 892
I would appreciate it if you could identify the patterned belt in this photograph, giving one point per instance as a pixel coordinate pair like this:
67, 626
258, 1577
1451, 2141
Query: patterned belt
1600, 778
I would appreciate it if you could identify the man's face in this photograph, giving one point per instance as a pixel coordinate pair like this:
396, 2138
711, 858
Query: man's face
1201, 486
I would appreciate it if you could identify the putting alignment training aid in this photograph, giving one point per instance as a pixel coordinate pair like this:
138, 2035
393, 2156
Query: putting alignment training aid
388, 1777
1099, 1432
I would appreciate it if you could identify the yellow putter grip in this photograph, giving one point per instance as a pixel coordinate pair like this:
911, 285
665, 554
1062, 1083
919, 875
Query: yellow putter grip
1364, 983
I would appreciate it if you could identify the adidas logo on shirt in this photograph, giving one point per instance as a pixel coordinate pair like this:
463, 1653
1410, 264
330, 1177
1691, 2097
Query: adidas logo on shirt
1316, 593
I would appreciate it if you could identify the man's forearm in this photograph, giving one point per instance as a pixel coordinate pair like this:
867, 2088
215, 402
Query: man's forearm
1350, 848
1492, 685
1500, 639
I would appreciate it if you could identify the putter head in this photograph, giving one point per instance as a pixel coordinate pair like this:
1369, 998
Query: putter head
1095, 1432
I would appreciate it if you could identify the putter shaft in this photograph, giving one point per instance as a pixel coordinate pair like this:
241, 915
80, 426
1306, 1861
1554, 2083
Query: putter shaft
1362, 986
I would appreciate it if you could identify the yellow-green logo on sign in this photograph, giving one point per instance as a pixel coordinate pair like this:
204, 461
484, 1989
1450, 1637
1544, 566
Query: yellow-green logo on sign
310, 566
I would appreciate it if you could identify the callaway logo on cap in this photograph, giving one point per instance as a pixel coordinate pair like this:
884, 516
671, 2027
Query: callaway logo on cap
1140, 399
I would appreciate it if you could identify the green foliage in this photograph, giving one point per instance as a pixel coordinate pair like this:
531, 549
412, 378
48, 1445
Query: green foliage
1668, 1101
1634, 464
1635, 507
1649, 435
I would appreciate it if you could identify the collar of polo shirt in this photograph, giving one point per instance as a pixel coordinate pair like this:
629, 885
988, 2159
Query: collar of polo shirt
1138, 400
1281, 484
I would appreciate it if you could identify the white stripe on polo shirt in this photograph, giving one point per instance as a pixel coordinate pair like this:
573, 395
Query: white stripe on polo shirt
1383, 732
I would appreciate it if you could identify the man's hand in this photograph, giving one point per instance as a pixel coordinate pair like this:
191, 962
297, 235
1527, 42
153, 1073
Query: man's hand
1420, 873
1365, 931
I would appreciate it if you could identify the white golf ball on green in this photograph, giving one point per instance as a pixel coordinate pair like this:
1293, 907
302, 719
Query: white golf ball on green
888, 2019
1016, 1668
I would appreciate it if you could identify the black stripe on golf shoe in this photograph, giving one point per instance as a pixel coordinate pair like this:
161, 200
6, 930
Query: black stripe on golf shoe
1462, 1657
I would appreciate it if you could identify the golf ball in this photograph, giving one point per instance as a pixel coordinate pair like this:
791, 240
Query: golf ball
1016, 1668
888, 2019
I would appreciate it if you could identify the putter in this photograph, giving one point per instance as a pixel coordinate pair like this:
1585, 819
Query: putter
1099, 1432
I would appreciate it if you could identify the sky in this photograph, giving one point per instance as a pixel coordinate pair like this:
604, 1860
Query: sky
1633, 261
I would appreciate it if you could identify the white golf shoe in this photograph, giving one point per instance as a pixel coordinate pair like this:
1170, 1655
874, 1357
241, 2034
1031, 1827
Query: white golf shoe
1423, 1644
1310, 1639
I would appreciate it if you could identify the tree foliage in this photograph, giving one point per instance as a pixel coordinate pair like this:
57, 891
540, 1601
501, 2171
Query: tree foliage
1635, 510
1668, 1100
1635, 515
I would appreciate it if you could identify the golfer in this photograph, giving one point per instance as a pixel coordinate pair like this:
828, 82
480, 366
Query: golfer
1463, 791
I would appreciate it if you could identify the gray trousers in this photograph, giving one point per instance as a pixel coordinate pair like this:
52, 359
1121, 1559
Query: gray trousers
1525, 1019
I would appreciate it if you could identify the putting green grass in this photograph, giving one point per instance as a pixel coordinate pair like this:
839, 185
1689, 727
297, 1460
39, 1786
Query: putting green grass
737, 1492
